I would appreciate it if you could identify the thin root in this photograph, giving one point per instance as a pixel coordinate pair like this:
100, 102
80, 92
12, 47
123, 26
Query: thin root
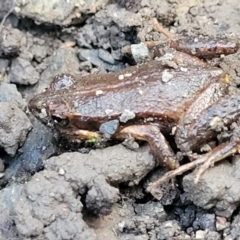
152, 44
208, 159
162, 30
5, 17
153, 188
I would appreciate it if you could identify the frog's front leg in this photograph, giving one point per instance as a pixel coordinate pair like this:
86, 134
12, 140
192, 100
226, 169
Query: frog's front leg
79, 134
158, 144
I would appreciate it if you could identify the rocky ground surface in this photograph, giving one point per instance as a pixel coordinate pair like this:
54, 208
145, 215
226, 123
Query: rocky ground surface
50, 192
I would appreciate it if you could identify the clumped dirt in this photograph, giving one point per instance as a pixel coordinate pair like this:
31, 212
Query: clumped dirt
51, 192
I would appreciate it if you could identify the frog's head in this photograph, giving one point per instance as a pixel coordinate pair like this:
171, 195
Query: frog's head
50, 110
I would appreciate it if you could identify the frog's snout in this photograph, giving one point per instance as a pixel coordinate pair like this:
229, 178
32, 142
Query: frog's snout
57, 111
37, 108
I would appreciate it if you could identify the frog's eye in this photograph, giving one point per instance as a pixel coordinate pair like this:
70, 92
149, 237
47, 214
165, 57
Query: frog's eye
61, 121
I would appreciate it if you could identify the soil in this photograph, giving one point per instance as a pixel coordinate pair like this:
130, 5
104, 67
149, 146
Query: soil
49, 191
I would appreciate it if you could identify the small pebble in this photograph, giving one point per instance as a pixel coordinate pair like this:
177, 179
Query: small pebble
99, 92
166, 76
61, 172
127, 115
121, 77
200, 234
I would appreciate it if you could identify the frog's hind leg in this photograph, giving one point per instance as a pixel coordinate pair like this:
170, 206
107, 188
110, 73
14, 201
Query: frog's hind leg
158, 144
205, 161
205, 48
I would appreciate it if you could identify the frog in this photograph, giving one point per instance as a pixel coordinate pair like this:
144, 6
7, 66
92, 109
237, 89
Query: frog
187, 100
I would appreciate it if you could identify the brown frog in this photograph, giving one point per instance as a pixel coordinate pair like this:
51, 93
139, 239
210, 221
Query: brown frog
186, 98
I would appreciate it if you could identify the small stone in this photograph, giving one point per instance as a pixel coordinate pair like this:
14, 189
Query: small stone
140, 52
183, 69
61, 172
9, 93
17, 9
127, 115
99, 92
205, 148
121, 225
217, 124
166, 76
22, 72
108, 111
127, 74
221, 223
86, 65
174, 129
121, 77
43, 113
200, 234
105, 56
109, 128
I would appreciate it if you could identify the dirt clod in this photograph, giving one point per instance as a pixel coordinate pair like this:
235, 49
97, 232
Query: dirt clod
14, 127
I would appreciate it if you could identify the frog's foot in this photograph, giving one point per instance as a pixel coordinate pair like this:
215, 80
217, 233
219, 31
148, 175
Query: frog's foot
158, 144
217, 154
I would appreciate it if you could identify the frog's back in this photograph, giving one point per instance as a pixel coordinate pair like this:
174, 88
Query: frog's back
149, 91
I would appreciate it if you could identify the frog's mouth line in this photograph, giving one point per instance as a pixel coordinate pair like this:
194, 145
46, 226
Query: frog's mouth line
56, 113
62, 121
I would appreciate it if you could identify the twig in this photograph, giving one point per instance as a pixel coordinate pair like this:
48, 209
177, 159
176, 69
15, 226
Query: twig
152, 44
222, 151
162, 30
5, 17
211, 160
